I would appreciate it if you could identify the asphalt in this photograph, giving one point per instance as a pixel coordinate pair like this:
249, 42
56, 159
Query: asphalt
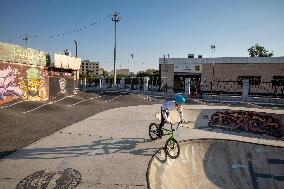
110, 148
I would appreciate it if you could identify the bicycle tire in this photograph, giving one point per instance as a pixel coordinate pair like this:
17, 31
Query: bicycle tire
154, 131
172, 146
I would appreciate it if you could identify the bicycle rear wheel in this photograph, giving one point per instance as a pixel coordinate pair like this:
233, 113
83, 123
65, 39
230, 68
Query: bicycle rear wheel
154, 131
172, 148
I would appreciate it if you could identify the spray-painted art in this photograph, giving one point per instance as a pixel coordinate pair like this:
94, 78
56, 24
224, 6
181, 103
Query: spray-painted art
33, 86
22, 81
258, 123
8, 86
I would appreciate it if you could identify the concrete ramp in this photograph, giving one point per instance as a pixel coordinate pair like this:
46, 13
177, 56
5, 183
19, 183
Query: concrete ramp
239, 122
212, 163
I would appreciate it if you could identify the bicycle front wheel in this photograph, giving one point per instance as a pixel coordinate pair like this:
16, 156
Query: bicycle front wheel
172, 148
154, 131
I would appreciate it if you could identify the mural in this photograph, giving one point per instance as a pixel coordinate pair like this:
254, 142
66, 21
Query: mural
8, 87
18, 54
249, 121
62, 85
33, 85
52, 178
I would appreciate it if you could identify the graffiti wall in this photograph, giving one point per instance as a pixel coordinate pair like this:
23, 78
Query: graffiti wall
61, 83
17, 54
266, 124
22, 81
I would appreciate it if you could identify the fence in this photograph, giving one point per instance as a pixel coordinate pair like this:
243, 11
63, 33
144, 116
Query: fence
262, 88
132, 83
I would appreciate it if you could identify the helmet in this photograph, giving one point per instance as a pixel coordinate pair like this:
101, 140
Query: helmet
180, 99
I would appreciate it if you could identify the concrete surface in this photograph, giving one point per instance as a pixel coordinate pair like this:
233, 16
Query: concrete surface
111, 149
212, 163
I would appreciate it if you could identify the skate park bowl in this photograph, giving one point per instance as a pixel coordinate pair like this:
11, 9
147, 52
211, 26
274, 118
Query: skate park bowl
216, 163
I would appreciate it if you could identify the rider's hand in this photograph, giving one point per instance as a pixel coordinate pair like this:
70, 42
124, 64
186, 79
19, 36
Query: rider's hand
182, 121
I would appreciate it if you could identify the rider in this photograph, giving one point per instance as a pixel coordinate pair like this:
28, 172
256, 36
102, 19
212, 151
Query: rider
169, 106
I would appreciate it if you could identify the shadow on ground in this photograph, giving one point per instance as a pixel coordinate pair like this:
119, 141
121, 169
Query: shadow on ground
134, 146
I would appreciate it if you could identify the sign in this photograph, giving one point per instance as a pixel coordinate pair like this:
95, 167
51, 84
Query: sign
186, 67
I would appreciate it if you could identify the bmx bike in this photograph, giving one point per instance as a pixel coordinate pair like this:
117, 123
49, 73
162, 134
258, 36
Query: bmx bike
172, 148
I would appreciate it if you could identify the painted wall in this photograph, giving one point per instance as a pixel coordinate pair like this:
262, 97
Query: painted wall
66, 62
266, 124
22, 81
17, 54
61, 84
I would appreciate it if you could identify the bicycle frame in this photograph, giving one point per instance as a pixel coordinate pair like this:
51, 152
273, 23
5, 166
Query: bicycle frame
170, 131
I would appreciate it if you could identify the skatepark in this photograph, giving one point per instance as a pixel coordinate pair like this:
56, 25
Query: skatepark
112, 149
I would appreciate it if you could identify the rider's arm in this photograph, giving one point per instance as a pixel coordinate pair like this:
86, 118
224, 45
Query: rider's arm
164, 114
180, 111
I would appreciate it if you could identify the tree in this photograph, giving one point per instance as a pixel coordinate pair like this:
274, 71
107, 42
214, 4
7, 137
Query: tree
259, 51
105, 73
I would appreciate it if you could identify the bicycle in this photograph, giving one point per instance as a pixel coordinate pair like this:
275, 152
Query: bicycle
172, 146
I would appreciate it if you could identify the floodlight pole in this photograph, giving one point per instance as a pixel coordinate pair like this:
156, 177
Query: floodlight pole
213, 50
115, 18
76, 46
26, 38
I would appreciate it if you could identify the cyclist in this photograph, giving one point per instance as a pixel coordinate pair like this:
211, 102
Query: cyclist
169, 106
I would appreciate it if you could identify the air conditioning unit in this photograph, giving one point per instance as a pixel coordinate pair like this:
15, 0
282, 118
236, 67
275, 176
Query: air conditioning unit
190, 56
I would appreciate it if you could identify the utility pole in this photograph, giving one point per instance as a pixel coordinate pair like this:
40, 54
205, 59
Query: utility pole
213, 50
76, 45
115, 18
26, 38
131, 67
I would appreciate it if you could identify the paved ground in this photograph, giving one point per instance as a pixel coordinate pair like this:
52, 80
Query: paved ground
105, 146
24, 122
219, 164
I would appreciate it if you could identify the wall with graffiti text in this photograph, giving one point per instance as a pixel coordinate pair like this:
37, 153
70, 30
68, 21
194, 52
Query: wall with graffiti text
260, 123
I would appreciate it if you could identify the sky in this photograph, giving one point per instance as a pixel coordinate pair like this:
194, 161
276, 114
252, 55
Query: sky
149, 29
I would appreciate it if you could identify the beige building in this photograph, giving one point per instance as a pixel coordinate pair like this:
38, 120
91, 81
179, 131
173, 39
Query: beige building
86, 66
223, 75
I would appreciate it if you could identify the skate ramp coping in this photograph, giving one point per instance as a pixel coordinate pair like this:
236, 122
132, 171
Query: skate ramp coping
213, 163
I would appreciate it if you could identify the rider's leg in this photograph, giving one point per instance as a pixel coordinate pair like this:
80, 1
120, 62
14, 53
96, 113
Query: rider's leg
163, 121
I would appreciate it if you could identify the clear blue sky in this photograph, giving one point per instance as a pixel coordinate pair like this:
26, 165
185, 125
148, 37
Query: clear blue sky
148, 28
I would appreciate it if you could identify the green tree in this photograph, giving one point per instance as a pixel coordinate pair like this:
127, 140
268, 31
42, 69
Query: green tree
90, 75
259, 51
105, 73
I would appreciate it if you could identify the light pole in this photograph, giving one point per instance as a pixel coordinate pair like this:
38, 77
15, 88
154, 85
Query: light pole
26, 38
76, 46
131, 67
115, 18
213, 50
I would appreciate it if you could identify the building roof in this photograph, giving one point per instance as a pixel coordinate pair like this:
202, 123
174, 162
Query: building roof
222, 60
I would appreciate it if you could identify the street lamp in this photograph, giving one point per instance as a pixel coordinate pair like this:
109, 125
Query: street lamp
115, 18
26, 38
213, 50
76, 46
